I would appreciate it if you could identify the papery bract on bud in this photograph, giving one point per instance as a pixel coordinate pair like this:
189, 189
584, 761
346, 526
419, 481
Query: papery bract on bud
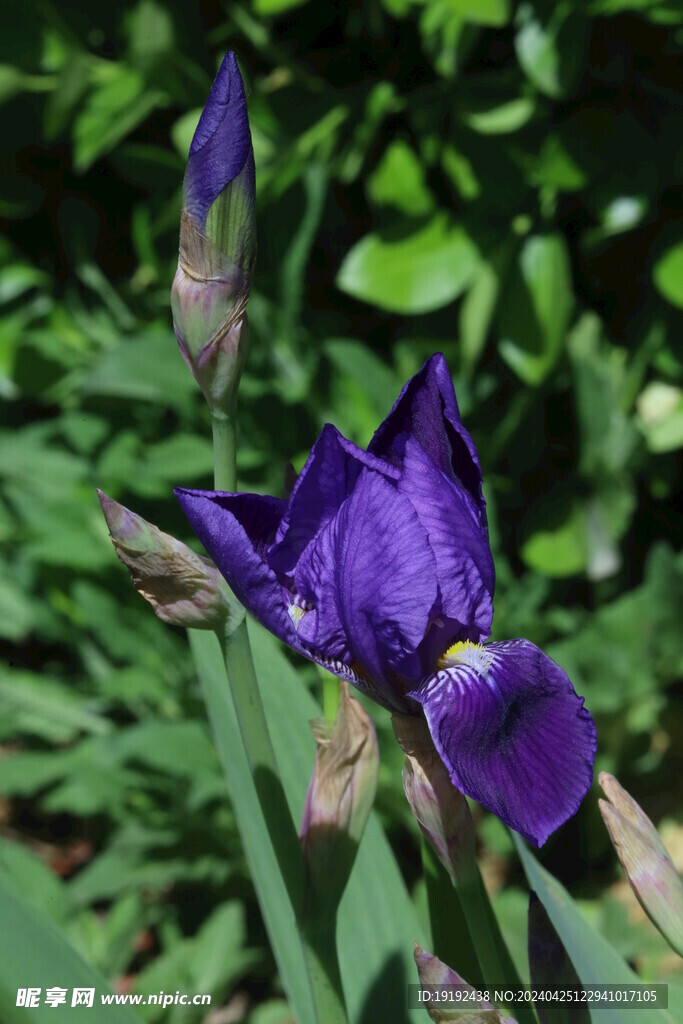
434, 974
339, 799
183, 588
217, 241
378, 568
440, 809
645, 859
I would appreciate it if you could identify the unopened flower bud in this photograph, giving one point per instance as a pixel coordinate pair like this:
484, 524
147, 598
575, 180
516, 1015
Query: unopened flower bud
217, 241
645, 860
434, 975
183, 588
339, 799
440, 809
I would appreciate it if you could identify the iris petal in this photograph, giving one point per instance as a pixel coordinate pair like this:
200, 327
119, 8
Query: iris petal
458, 539
221, 146
370, 576
513, 734
427, 410
236, 530
327, 479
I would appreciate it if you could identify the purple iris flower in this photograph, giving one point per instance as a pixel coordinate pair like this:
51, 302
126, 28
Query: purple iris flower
379, 568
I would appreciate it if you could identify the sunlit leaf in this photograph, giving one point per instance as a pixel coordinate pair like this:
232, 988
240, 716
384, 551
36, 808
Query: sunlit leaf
419, 272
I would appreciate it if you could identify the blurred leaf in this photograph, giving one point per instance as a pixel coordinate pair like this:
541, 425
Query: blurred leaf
667, 274
634, 641
43, 707
660, 412
502, 119
41, 886
33, 949
537, 308
483, 12
417, 273
113, 109
271, 8
148, 368
399, 180
560, 550
550, 52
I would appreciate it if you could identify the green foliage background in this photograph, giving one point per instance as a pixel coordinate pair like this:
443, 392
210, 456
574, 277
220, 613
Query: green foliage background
491, 179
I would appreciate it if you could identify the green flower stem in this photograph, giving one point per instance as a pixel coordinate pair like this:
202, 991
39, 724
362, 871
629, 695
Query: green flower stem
224, 450
317, 935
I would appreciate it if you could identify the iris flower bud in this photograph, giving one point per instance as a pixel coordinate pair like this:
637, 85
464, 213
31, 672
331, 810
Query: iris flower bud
433, 975
440, 809
645, 860
339, 799
217, 242
183, 588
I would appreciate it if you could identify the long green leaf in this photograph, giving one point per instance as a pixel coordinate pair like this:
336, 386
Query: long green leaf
274, 900
35, 953
596, 962
377, 922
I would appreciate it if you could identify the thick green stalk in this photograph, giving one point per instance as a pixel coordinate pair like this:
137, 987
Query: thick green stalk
318, 937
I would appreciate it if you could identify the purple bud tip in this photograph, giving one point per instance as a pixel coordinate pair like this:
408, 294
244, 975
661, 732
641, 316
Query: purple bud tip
221, 147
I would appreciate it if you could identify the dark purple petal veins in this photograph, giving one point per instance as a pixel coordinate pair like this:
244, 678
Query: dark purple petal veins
221, 147
512, 732
427, 410
369, 580
236, 530
457, 536
327, 479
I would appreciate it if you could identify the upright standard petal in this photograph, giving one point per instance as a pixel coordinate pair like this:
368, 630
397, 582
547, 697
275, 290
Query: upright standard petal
221, 147
328, 478
427, 410
512, 732
236, 530
369, 581
457, 535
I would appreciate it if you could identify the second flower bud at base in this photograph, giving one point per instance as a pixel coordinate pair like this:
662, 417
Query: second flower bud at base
440, 809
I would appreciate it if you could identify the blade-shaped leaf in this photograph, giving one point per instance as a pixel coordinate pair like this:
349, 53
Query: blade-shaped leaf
595, 960
377, 922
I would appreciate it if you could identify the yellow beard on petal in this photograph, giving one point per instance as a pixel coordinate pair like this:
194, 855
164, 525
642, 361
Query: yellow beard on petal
464, 652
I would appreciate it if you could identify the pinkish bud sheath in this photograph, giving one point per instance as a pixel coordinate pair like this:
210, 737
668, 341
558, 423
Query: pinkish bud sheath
440, 809
183, 588
645, 860
339, 799
434, 974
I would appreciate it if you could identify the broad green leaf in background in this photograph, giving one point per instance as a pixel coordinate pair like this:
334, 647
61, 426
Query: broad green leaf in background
417, 273
667, 274
537, 308
594, 959
399, 180
33, 952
